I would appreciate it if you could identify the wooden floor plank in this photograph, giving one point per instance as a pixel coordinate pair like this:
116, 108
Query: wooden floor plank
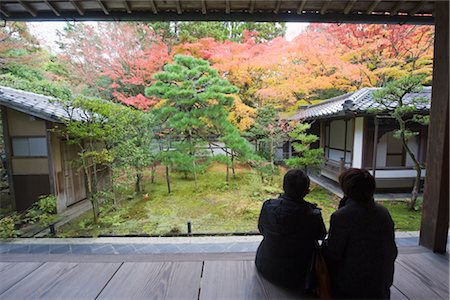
127, 257
396, 294
412, 285
155, 280
63, 281
11, 273
431, 272
231, 280
274, 292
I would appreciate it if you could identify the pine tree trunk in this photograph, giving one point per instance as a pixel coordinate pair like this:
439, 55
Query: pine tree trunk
228, 169
416, 188
168, 179
138, 187
195, 175
153, 173
232, 164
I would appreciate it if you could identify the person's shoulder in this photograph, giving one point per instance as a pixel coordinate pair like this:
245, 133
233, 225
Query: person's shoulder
315, 209
272, 202
382, 210
342, 212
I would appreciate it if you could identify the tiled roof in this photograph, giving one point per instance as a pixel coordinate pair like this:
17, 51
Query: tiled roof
358, 102
37, 105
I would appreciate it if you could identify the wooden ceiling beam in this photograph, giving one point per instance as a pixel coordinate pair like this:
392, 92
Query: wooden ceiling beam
252, 6
396, 8
349, 6
277, 7
127, 6
103, 7
78, 7
416, 9
301, 6
204, 10
28, 8
227, 7
153, 6
178, 5
324, 8
373, 6
52, 7
4, 11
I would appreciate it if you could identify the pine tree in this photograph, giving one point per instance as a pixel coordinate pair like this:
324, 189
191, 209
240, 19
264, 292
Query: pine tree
306, 157
194, 108
393, 101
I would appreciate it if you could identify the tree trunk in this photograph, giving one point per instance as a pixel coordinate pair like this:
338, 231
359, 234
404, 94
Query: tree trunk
168, 179
153, 173
416, 188
91, 197
138, 187
232, 164
112, 188
195, 175
228, 169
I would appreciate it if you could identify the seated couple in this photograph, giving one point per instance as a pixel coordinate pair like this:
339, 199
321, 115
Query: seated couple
360, 249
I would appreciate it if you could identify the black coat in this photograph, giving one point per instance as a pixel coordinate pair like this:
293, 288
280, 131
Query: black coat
360, 251
290, 229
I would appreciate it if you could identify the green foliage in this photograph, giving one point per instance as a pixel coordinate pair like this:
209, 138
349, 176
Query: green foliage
180, 32
43, 211
8, 227
395, 100
306, 157
43, 86
269, 132
194, 108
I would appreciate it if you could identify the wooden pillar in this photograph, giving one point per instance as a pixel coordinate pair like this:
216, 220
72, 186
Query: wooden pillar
435, 215
8, 152
375, 146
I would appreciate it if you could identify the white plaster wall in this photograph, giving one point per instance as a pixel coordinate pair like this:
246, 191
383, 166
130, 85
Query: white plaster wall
358, 142
337, 130
382, 150
414, 146
397, 173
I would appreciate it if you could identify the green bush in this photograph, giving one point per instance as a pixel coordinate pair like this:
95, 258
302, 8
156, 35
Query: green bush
44, 87
8, 227
43, 211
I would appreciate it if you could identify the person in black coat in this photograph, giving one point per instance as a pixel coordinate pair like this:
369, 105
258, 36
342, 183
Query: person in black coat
290, 227
360, 250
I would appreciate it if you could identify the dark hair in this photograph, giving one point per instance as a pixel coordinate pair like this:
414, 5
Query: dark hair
357, 184
295, 183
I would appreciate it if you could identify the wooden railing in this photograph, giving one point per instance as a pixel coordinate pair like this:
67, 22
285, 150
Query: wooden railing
334, 166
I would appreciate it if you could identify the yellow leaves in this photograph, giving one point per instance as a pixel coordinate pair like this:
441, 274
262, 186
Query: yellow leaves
242, 115
160, 104
213, 102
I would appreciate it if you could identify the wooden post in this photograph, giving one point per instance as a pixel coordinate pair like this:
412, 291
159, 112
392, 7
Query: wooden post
345, 141
435, 215
341, 165
375, 146
189, 228
8, 152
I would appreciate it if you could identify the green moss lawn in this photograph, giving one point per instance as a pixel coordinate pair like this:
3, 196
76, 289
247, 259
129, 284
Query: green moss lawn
214, 208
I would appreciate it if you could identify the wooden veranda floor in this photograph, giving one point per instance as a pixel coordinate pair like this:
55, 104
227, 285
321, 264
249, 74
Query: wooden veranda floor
419, 274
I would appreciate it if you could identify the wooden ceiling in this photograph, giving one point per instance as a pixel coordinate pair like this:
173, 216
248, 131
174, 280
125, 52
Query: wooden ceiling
337, 11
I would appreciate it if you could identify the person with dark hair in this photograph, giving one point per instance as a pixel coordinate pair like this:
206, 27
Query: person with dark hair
290, 227
360, 250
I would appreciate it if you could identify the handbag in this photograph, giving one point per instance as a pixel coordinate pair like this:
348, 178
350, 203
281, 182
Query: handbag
322, 275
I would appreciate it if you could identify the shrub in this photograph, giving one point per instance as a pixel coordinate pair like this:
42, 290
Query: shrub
43, 211
8, 227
